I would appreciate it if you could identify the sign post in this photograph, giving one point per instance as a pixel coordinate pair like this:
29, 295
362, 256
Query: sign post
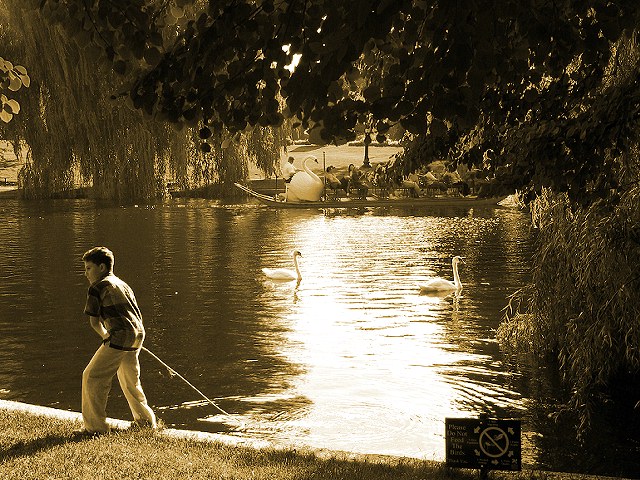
486, 444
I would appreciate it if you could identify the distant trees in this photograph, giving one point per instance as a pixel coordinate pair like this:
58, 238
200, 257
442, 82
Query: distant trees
72, 133
527, 79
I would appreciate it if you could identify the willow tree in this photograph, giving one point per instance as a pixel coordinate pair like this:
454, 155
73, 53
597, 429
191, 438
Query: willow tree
583, 305
452, 65
212, 167
75, 131
69, 132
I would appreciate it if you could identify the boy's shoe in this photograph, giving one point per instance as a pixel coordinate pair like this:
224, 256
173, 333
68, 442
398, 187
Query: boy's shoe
140, 424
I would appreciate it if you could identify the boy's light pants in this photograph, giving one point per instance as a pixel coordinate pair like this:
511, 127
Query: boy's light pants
96, 384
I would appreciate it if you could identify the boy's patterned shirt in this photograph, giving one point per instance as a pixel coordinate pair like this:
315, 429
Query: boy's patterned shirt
113, 301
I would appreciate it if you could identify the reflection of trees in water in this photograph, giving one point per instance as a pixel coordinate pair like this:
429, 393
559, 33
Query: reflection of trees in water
608, 448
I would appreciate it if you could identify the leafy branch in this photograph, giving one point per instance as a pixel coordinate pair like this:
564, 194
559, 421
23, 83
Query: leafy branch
12, 78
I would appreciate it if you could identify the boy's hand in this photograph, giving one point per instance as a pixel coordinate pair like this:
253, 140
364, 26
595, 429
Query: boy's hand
96, 324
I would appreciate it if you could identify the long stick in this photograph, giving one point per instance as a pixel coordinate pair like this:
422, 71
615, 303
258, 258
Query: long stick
171, 370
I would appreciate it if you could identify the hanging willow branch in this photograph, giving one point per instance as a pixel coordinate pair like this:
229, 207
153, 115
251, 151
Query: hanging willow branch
73, 133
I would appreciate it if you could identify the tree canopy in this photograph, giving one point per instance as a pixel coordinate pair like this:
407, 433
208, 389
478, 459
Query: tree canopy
70, 134
525, 78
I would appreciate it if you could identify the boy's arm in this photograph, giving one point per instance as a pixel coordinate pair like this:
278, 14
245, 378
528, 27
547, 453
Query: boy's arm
97, 325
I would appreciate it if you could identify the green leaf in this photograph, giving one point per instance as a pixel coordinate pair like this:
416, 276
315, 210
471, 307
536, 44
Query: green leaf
120, 67
15, 83
14, 106
26, 81
371, 93
437, 128
413, 124
316, 137
382, 127
152, 56
531, 95
5, 116
176, 12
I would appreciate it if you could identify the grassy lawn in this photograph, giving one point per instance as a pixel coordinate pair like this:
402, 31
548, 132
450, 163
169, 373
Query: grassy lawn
44, 447
38, 447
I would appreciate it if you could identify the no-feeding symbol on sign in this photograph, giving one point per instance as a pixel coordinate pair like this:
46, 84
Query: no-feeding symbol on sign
487, 444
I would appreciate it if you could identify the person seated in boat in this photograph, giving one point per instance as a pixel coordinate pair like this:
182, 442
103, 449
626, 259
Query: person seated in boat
429, 178
474, 178
431, 184
454, 181
355, 181
412, 182
331, 179
288, 170
379, 180
333, 182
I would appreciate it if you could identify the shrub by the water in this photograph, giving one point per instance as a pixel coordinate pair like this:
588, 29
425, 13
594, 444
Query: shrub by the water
583, 306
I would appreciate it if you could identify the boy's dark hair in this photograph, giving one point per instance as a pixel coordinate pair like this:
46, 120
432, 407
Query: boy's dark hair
100, 255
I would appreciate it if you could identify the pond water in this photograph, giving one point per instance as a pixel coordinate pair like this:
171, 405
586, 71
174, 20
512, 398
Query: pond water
352, 358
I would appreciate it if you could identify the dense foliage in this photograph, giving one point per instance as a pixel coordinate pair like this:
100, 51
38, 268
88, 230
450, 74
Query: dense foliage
72, 134
446, 69
583, 306
584, 309
67, 129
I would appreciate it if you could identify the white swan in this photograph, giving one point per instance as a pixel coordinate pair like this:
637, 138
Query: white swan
305, 186
285, 273
439, 284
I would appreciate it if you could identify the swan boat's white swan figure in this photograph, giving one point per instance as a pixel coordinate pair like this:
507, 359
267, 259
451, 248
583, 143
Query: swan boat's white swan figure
439, 284
285, 273
305, 186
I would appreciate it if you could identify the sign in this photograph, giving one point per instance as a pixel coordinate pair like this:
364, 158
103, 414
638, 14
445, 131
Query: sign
487, 444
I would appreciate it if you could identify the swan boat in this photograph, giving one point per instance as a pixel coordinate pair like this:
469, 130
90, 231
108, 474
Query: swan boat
372, 201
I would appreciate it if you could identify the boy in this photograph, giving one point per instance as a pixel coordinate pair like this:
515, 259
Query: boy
115, 316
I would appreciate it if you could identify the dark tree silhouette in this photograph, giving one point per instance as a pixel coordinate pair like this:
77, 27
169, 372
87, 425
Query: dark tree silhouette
443, 66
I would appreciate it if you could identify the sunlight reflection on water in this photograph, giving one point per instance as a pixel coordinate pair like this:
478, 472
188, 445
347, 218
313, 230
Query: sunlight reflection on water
380, 366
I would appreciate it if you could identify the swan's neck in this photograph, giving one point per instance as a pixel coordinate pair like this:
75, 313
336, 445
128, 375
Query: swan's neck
456, 276
295, 262
309, 171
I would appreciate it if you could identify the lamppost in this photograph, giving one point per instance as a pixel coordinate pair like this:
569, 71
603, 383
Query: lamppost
367, 141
